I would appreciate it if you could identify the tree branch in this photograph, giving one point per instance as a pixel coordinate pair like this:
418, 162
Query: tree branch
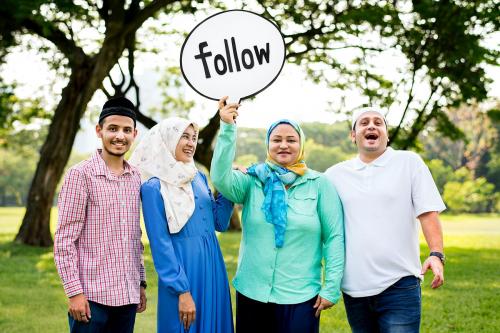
421, 120
206, 136
145, 120
136, 21
308, 33
310, 48
67, 46
103, 10
408, 101
105, 91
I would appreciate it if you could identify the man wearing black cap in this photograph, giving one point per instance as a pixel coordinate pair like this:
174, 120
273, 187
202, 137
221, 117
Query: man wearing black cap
97, 248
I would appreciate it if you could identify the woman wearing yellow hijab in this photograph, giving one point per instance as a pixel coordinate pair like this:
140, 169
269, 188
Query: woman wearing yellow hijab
292, 231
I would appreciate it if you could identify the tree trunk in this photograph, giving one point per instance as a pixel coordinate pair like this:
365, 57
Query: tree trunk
55, 152
86, 77
235, 223
204, 150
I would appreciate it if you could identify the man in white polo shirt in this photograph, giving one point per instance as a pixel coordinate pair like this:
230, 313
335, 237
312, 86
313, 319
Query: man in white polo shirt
383, 192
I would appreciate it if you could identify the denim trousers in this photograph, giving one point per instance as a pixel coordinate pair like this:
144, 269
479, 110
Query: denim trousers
106, 319
395, 310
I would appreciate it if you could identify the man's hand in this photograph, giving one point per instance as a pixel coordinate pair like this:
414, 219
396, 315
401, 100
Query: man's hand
142, 301
436, 266
322, 304
228, 112
78, 308
187, 309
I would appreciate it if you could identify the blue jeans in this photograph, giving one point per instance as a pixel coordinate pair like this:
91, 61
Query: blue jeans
106, 319
395, 310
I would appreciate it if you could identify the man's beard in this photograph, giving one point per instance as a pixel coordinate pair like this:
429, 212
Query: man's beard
112, 153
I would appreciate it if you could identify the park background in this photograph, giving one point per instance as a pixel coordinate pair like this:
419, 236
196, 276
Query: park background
433, 65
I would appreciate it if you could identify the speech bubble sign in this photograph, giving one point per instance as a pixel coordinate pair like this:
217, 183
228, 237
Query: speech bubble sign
235, 53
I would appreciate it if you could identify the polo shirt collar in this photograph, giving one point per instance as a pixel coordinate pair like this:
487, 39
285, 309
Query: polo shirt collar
101, 169
379, 161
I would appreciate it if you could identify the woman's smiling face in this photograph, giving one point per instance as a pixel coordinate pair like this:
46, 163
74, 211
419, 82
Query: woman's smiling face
284, 145
184, 152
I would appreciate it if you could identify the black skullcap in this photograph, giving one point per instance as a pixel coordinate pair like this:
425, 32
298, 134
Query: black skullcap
119, 106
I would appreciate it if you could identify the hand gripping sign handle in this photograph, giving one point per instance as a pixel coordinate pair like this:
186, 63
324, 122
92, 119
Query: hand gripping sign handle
225, 103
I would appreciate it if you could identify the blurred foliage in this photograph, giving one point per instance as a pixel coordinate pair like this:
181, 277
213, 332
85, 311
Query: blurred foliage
471, 196
23, 128
479, 136
17, 114
251, 141
466, 171
16, 172
246, 160
440, 172
331, 135
491, 169
478, 151
18, 161
320, 157
174, 101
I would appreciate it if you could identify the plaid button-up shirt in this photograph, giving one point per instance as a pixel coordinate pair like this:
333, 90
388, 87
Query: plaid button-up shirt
97, 248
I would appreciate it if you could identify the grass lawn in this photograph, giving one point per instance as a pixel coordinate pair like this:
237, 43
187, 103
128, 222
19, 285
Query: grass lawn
32, 298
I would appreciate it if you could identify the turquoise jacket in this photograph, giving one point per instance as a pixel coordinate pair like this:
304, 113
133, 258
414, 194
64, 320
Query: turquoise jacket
315, 231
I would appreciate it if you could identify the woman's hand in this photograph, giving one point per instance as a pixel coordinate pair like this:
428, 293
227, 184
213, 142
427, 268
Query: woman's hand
322, 304
240, 168
187, 309
228, 112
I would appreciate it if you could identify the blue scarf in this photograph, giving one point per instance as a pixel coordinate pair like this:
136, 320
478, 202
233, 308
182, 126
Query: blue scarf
274, 178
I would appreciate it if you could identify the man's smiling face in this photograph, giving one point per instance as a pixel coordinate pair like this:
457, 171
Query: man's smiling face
370, 134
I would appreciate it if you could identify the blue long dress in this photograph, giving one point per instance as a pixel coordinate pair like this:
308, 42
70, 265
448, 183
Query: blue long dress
190, 260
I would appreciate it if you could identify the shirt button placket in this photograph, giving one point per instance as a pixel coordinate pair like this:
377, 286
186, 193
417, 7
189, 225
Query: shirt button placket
125, 245
273, 270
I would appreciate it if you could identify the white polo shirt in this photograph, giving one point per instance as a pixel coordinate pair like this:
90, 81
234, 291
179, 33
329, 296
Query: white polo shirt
381, 201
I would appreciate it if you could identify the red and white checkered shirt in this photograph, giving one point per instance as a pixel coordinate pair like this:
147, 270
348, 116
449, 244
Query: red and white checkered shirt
97, 248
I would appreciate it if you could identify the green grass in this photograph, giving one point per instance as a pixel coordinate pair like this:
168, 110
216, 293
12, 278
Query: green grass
32, 298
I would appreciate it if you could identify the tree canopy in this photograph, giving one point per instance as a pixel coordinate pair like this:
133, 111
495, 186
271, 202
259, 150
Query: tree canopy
443, 45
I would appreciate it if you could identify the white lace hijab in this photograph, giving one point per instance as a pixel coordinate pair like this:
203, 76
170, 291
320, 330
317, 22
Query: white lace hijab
155, 157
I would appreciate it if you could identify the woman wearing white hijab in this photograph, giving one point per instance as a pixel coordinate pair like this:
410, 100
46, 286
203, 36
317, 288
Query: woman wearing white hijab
181, 217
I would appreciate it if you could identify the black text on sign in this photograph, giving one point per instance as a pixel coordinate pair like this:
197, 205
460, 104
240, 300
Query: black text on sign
223, 64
